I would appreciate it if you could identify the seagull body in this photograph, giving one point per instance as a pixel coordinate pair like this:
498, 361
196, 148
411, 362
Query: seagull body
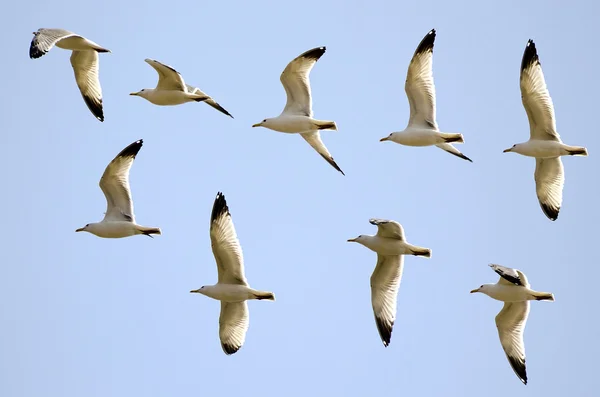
422, 128
514, 290
119, 220
390, 245
297, 116
544, 143
172, 90
84, 60
232, 288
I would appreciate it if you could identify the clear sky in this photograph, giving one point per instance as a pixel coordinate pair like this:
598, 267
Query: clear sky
85, 316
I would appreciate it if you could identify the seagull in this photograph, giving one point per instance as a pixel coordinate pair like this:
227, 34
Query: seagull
232, 288
514, 290
119, 220
172, 90
297, 116
422, 128
390, 246
84, 60
544, 142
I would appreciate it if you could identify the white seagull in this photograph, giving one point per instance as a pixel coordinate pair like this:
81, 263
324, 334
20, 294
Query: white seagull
231, 289
422, 128
172, 90
119, 220
84, 60
514, 290
390, 246
544, 142
297, 116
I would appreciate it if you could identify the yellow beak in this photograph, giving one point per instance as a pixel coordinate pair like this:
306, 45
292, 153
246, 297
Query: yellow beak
475, 290
81, 229
384, 139
134, 93
507, 150
256, 125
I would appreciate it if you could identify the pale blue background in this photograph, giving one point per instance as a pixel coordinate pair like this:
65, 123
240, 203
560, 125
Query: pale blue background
84, 316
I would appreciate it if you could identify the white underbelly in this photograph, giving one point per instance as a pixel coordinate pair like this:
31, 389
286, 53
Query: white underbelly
169, 98
418, 138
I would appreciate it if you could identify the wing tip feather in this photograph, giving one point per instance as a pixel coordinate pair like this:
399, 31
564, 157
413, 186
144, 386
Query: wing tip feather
219, 207
314, 54
132, 150
530, 55
385, 329
427, 43
229, 348
550, 211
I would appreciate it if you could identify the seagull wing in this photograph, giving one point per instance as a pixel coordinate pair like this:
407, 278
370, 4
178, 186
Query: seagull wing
295, 80
511, 324
44, 39
549, 181
211, 102
115, 185
314, 139
225, 244
168, 78
419, 86
385, 282
86, 67
536, 98
387, 228
233, 324
510, 276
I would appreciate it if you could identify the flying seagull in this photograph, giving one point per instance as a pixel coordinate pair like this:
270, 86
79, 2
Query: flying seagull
514, 290
172, 90
297, 116
232, 288
119, 220
544, 142
84, 60
390, 245
422, 128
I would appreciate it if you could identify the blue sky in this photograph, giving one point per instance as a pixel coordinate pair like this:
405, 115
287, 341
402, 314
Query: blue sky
87, 316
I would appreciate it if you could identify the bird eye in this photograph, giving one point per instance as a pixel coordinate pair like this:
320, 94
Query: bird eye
87, 225
265, 120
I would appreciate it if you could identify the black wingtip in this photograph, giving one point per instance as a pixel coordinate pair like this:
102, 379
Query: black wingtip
385, 331
427, 43
331, 161
460, 155
229, 349
35, 52
315, 53
219, 207
530, 56
550, 212
95, 107
132, 150
519, 367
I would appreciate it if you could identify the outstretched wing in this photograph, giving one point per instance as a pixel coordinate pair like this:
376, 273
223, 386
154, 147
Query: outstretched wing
168, 78
115, 185
86, 66
295, 80
385, 282
536, 98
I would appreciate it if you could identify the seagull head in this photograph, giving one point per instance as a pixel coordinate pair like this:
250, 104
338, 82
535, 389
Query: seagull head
262, 123
356, 239
141, 93
388, 138
485, 288
84, 229
198, 291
